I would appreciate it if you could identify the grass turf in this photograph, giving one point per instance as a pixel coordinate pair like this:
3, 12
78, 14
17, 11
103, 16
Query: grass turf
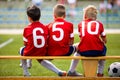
11, 67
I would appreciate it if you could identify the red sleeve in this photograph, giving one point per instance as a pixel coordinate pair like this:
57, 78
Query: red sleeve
25, 35
71, 31
102, 32
79, 31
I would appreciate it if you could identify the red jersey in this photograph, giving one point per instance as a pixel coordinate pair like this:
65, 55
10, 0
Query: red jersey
35, 39
90, 33
60, 32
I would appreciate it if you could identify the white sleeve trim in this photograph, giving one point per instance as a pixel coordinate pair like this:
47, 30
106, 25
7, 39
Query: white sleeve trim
72, 35
24, 39
103, 34
79, 33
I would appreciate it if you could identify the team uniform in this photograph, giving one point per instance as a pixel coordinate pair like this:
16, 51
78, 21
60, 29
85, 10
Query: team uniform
35, 40
90, 32
92, 40
60, 33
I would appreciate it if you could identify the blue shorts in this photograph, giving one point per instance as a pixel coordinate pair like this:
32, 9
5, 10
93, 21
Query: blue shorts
72, 49
93, 53
21, 51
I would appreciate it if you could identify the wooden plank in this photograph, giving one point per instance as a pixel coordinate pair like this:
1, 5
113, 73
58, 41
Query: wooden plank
59, 78
90, 67
58, 57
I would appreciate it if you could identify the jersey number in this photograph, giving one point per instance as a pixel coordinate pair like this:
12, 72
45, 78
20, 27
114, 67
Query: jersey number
58, 29
40, 37
89, 28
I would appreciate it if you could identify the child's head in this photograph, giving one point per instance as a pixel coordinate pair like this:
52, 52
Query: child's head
59, 11
90, 12
33, 13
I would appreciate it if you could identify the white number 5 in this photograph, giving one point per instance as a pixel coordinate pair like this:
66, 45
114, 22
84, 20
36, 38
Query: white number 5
58, 29
36, 37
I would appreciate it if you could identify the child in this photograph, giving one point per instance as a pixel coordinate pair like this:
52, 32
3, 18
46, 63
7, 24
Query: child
93, 39
61, 35
35, 41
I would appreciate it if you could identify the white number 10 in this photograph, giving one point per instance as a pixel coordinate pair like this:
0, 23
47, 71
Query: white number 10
89, 28
36, 37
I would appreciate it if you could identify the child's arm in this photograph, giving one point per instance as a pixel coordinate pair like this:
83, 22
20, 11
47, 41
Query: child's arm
104, 39
71, 41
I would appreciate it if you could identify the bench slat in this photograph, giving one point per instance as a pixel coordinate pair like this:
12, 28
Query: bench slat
58, 57
59, 78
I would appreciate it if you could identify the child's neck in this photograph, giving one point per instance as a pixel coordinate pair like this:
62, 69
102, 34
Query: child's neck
34, 21
59, 18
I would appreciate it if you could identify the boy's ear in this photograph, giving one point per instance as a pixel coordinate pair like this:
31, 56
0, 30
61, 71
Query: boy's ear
85, 16
54, 16
64, 16
29, 18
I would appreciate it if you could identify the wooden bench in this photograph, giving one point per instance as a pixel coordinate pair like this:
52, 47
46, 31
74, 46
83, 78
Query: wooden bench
56, 78
86, 61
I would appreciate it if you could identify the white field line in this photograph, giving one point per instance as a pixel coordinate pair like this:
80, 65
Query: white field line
20, 31
11, 31
6, 42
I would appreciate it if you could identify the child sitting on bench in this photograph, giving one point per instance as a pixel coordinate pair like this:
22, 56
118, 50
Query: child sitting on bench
93, 39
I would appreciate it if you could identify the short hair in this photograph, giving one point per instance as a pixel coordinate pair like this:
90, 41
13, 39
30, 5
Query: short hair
59, 10
34, 12
90, 12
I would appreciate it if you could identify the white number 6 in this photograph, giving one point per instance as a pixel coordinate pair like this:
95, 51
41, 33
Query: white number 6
36, 37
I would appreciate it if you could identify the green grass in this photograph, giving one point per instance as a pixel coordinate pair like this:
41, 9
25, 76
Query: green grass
11, 67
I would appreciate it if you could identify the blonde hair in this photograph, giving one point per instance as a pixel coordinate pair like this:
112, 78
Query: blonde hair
90, 12
59, 10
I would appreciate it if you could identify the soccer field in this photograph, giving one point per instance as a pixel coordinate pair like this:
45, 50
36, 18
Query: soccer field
11, 67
